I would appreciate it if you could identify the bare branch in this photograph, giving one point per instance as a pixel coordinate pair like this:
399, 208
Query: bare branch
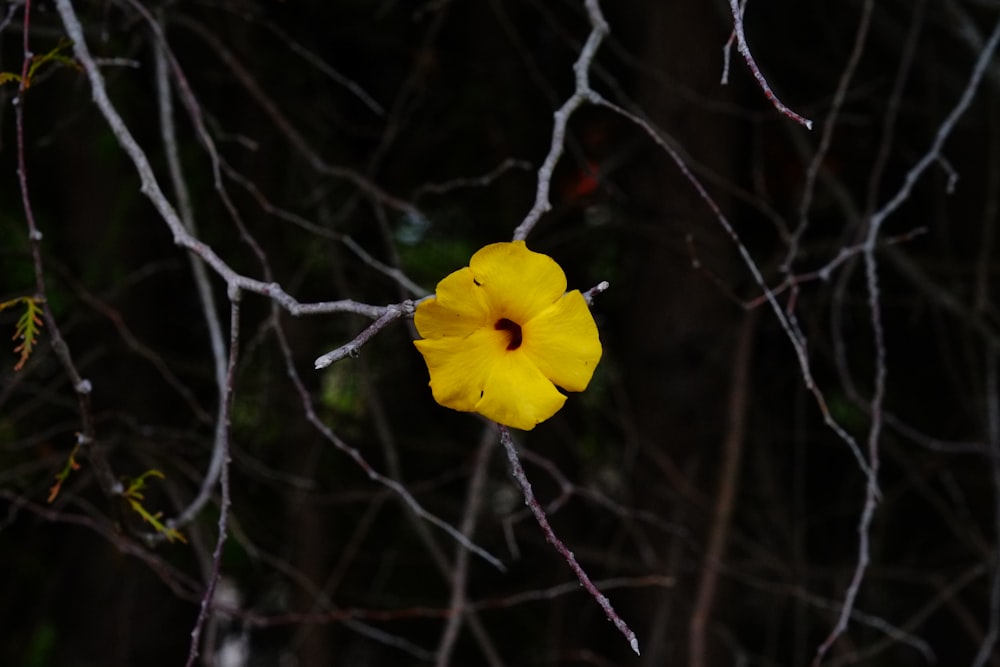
151, 188
226, 419
553, 539
744, 49
582, 93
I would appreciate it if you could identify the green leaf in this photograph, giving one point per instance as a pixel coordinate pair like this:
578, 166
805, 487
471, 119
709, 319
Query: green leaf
27, 328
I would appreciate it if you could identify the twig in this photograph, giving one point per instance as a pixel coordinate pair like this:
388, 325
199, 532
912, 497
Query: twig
178, 582
744, 49
373, 475
581, 94
785, 319
595, 291
471, 181
87, 436
343, 614
313, 59
227, 401
285, 126
895, 100
459, 580
871, 273
206, 298
351, 349
826, 137
988, 645
553, 539
151, 188
727, 50
943, 132
732, 454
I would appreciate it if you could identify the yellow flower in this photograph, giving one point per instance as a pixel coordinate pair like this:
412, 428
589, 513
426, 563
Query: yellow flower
501, 333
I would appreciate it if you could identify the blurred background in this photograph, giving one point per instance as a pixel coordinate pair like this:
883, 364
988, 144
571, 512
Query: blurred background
365, 149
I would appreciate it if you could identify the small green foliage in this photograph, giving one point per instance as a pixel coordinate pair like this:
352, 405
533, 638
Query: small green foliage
133, 494
57, 56
71, 465
27, 327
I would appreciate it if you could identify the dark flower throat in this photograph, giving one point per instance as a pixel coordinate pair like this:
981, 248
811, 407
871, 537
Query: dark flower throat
513, 329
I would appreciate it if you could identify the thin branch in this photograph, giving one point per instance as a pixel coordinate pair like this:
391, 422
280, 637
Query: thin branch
581, 94
987, 647
353, 348
933, 153
227, 401
732, 455
471, 181
352, 86
474, 496
826, 137
744, 49
727, 50
151, 188
178, 582
203, 286
785, 318
871, 273
285, 126
374, 475
87, 436
282, 214
529, 498
342, 615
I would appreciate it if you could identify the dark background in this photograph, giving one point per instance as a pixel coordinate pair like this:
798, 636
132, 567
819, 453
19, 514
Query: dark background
632, 470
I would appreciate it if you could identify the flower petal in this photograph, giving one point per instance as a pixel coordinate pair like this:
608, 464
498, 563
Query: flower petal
461, 367
478, 374
518, 395
563, 343
459, 308
518, 283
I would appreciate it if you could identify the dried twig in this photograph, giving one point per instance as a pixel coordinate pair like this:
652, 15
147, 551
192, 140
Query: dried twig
732, 455
226, 419
744, 49
581, 94
529, 498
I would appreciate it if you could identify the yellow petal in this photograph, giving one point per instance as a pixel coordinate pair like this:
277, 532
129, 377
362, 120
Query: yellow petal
459, 308
518, 283
460, 367
518, 395
563, 343
479, 374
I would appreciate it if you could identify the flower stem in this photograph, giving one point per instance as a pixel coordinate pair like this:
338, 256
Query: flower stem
536, 509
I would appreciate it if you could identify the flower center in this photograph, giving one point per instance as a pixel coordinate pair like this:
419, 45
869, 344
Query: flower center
513, 330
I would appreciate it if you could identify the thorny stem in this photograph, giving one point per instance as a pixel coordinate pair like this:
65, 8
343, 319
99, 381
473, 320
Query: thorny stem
529, 499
